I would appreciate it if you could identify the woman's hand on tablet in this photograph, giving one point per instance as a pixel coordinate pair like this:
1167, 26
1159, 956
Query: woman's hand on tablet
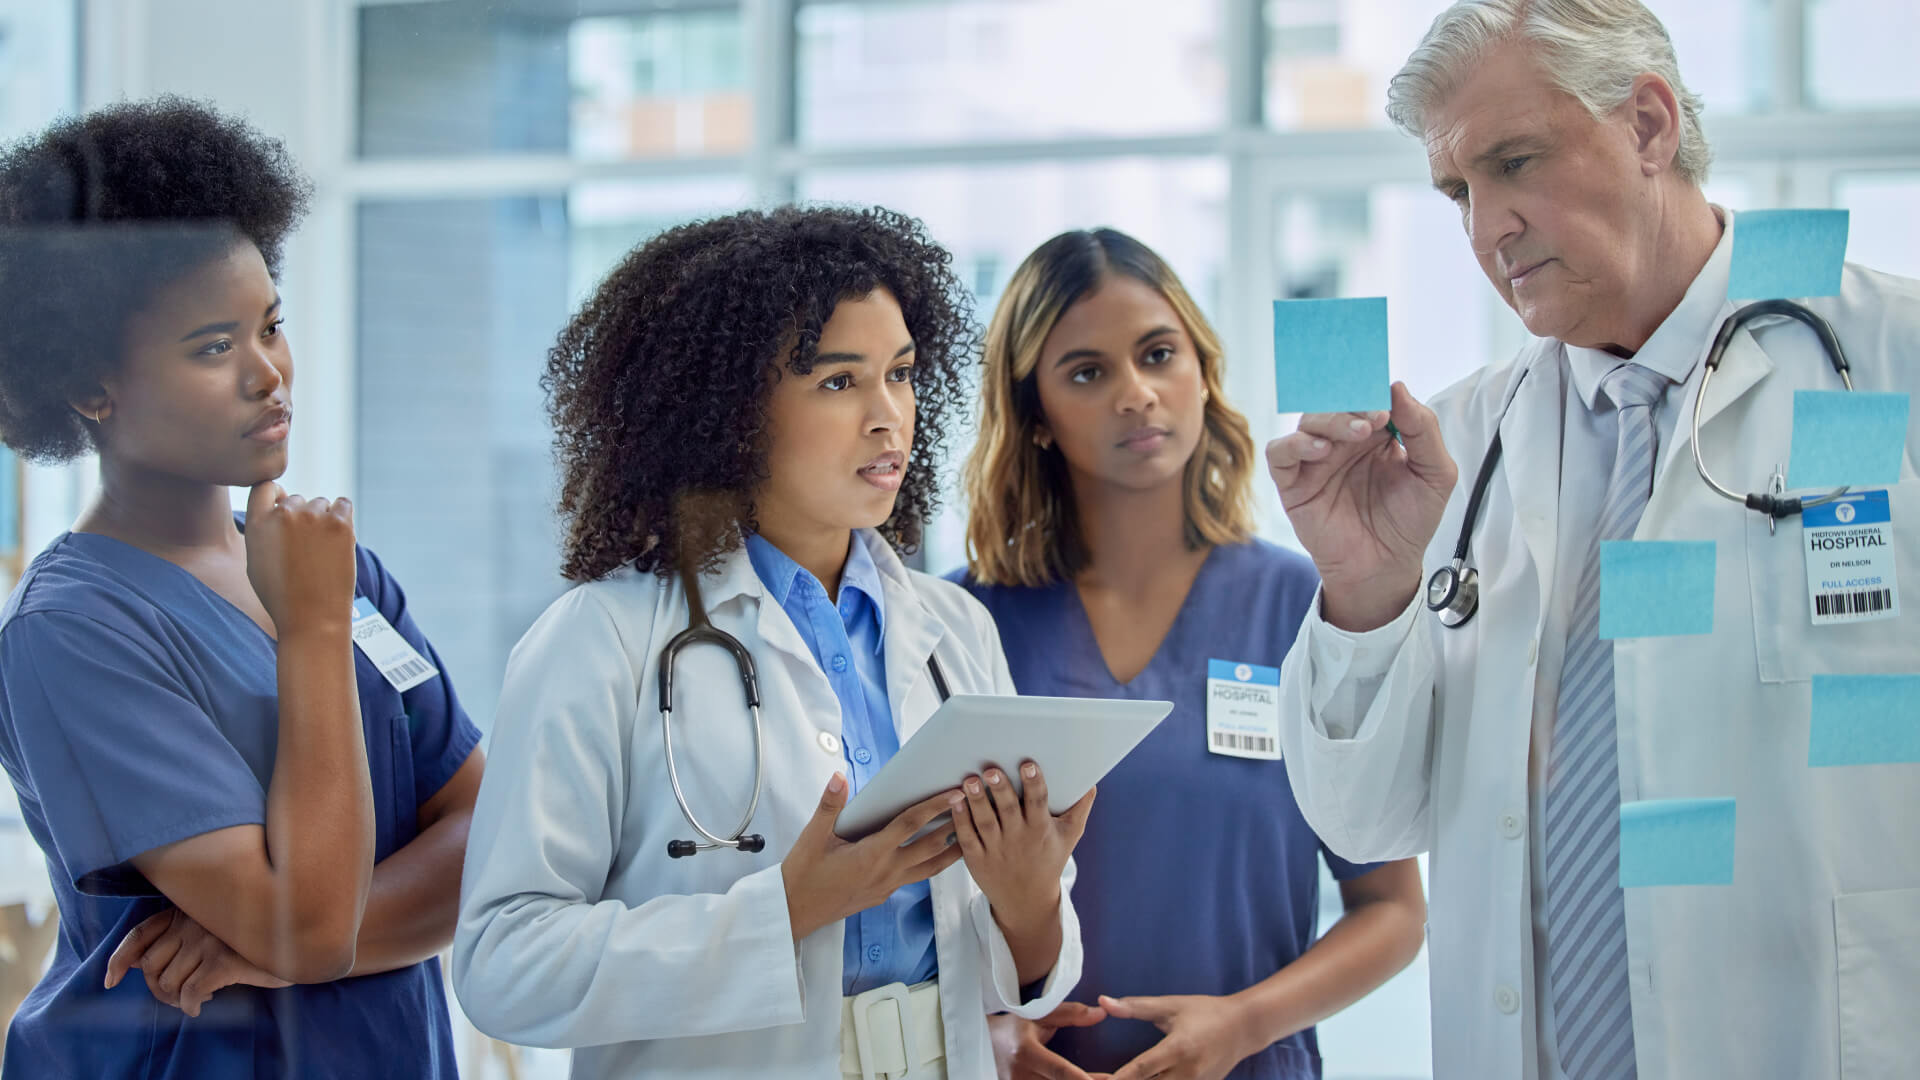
1014, 848
828, 878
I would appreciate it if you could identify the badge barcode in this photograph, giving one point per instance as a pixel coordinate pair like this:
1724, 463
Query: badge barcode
410, 670
1853, 603
1257, 743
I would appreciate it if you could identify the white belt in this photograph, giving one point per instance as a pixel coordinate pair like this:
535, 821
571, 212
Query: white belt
892, 1031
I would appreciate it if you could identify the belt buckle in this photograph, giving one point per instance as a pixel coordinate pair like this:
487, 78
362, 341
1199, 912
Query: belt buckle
863, 1030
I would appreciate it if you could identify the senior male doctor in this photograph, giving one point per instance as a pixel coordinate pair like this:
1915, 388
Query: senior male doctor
1563, 131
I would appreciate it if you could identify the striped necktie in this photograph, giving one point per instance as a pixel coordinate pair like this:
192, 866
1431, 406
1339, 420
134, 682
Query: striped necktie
1586, 910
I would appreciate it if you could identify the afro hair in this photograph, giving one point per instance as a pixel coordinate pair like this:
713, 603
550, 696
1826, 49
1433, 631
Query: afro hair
659, 386
97, 213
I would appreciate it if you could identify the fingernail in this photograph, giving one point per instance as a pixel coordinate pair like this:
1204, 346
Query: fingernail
1319, 444
1357, 426
993, 777
1029, 771
834, 785
1382, 417
955, 801
973, 787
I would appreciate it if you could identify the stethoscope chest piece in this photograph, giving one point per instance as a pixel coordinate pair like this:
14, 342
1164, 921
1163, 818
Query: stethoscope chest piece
1453, 593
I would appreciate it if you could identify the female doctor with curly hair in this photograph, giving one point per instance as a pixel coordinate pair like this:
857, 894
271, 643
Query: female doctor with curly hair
748, 414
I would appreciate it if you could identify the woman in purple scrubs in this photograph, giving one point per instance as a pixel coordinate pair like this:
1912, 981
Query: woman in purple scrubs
1110, 532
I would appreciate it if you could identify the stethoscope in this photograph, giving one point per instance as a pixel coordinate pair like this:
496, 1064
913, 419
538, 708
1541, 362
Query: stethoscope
702, 631
1453, 592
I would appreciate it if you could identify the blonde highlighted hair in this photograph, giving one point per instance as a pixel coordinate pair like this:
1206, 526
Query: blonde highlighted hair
1022, 526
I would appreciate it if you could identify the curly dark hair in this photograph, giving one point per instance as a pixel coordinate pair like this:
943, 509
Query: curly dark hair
659, 387
97, 213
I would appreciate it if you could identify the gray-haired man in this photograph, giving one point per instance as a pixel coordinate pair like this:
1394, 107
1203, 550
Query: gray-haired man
1507, 745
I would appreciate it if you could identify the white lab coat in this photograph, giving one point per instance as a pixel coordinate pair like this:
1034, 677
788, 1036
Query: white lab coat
1808, 965
576, 929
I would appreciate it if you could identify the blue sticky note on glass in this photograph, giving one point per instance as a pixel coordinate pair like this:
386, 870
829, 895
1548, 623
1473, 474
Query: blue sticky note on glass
1865, 720
1785, 254
1846, 437
1656, 588
1331, 355
1676, 842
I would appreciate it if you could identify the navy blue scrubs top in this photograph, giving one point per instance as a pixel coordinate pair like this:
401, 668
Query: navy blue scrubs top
1198, 875
138, 708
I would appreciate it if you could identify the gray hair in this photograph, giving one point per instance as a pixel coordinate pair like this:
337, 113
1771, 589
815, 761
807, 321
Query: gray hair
1592, 49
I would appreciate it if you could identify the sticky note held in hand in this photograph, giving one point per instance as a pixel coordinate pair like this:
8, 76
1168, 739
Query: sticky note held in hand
1787, 254
1864, 720
1846, 437
1331, 355
1656, 588
1676, 842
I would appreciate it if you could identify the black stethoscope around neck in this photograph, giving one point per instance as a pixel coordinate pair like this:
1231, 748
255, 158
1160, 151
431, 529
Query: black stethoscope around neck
1453, 592
701, 631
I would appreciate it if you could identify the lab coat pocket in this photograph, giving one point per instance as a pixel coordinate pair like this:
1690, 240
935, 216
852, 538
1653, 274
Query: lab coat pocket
1788, 646
1877, 948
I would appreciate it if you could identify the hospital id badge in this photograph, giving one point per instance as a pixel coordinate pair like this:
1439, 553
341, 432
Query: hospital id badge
379, 642
1850, 572
1243, 710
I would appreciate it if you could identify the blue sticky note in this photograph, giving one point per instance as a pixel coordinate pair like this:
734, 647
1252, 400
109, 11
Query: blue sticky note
1846, 437
1865, 720
1656, 588
1783, 254
1331, 355
1676, 842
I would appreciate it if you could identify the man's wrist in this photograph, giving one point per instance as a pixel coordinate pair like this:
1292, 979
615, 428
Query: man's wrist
1360, 609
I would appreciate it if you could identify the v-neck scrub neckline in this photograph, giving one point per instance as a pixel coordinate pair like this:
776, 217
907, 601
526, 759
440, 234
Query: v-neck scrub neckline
1078, 609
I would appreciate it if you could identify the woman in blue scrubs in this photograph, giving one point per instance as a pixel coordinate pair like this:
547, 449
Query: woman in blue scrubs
1110, 534
248, 774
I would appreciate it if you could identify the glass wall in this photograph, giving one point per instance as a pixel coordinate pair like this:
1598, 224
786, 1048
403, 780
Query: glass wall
480, 164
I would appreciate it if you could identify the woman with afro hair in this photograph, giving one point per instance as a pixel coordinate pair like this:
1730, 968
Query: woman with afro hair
248, 775
748, 414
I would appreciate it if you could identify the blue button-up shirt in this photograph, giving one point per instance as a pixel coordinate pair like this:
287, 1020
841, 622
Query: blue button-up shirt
892, 942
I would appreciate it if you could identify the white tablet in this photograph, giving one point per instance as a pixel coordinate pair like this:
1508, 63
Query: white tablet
1075, 741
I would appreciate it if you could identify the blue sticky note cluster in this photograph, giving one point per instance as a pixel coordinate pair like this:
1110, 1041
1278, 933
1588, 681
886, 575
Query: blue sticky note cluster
1865, 720
1787, 254
1656, 588
1331, 355
1846, 437
1676, 842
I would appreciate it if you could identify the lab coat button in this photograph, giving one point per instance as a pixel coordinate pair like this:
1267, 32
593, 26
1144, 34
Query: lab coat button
1506, 1000
1511, 825
829, 742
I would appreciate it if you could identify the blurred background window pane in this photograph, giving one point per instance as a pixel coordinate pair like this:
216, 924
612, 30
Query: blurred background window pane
39, 72
933, 71
1404, 242
39, 63
1860, 53
1884, 229
604, 81
1329, 61
991, 217
459, 301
